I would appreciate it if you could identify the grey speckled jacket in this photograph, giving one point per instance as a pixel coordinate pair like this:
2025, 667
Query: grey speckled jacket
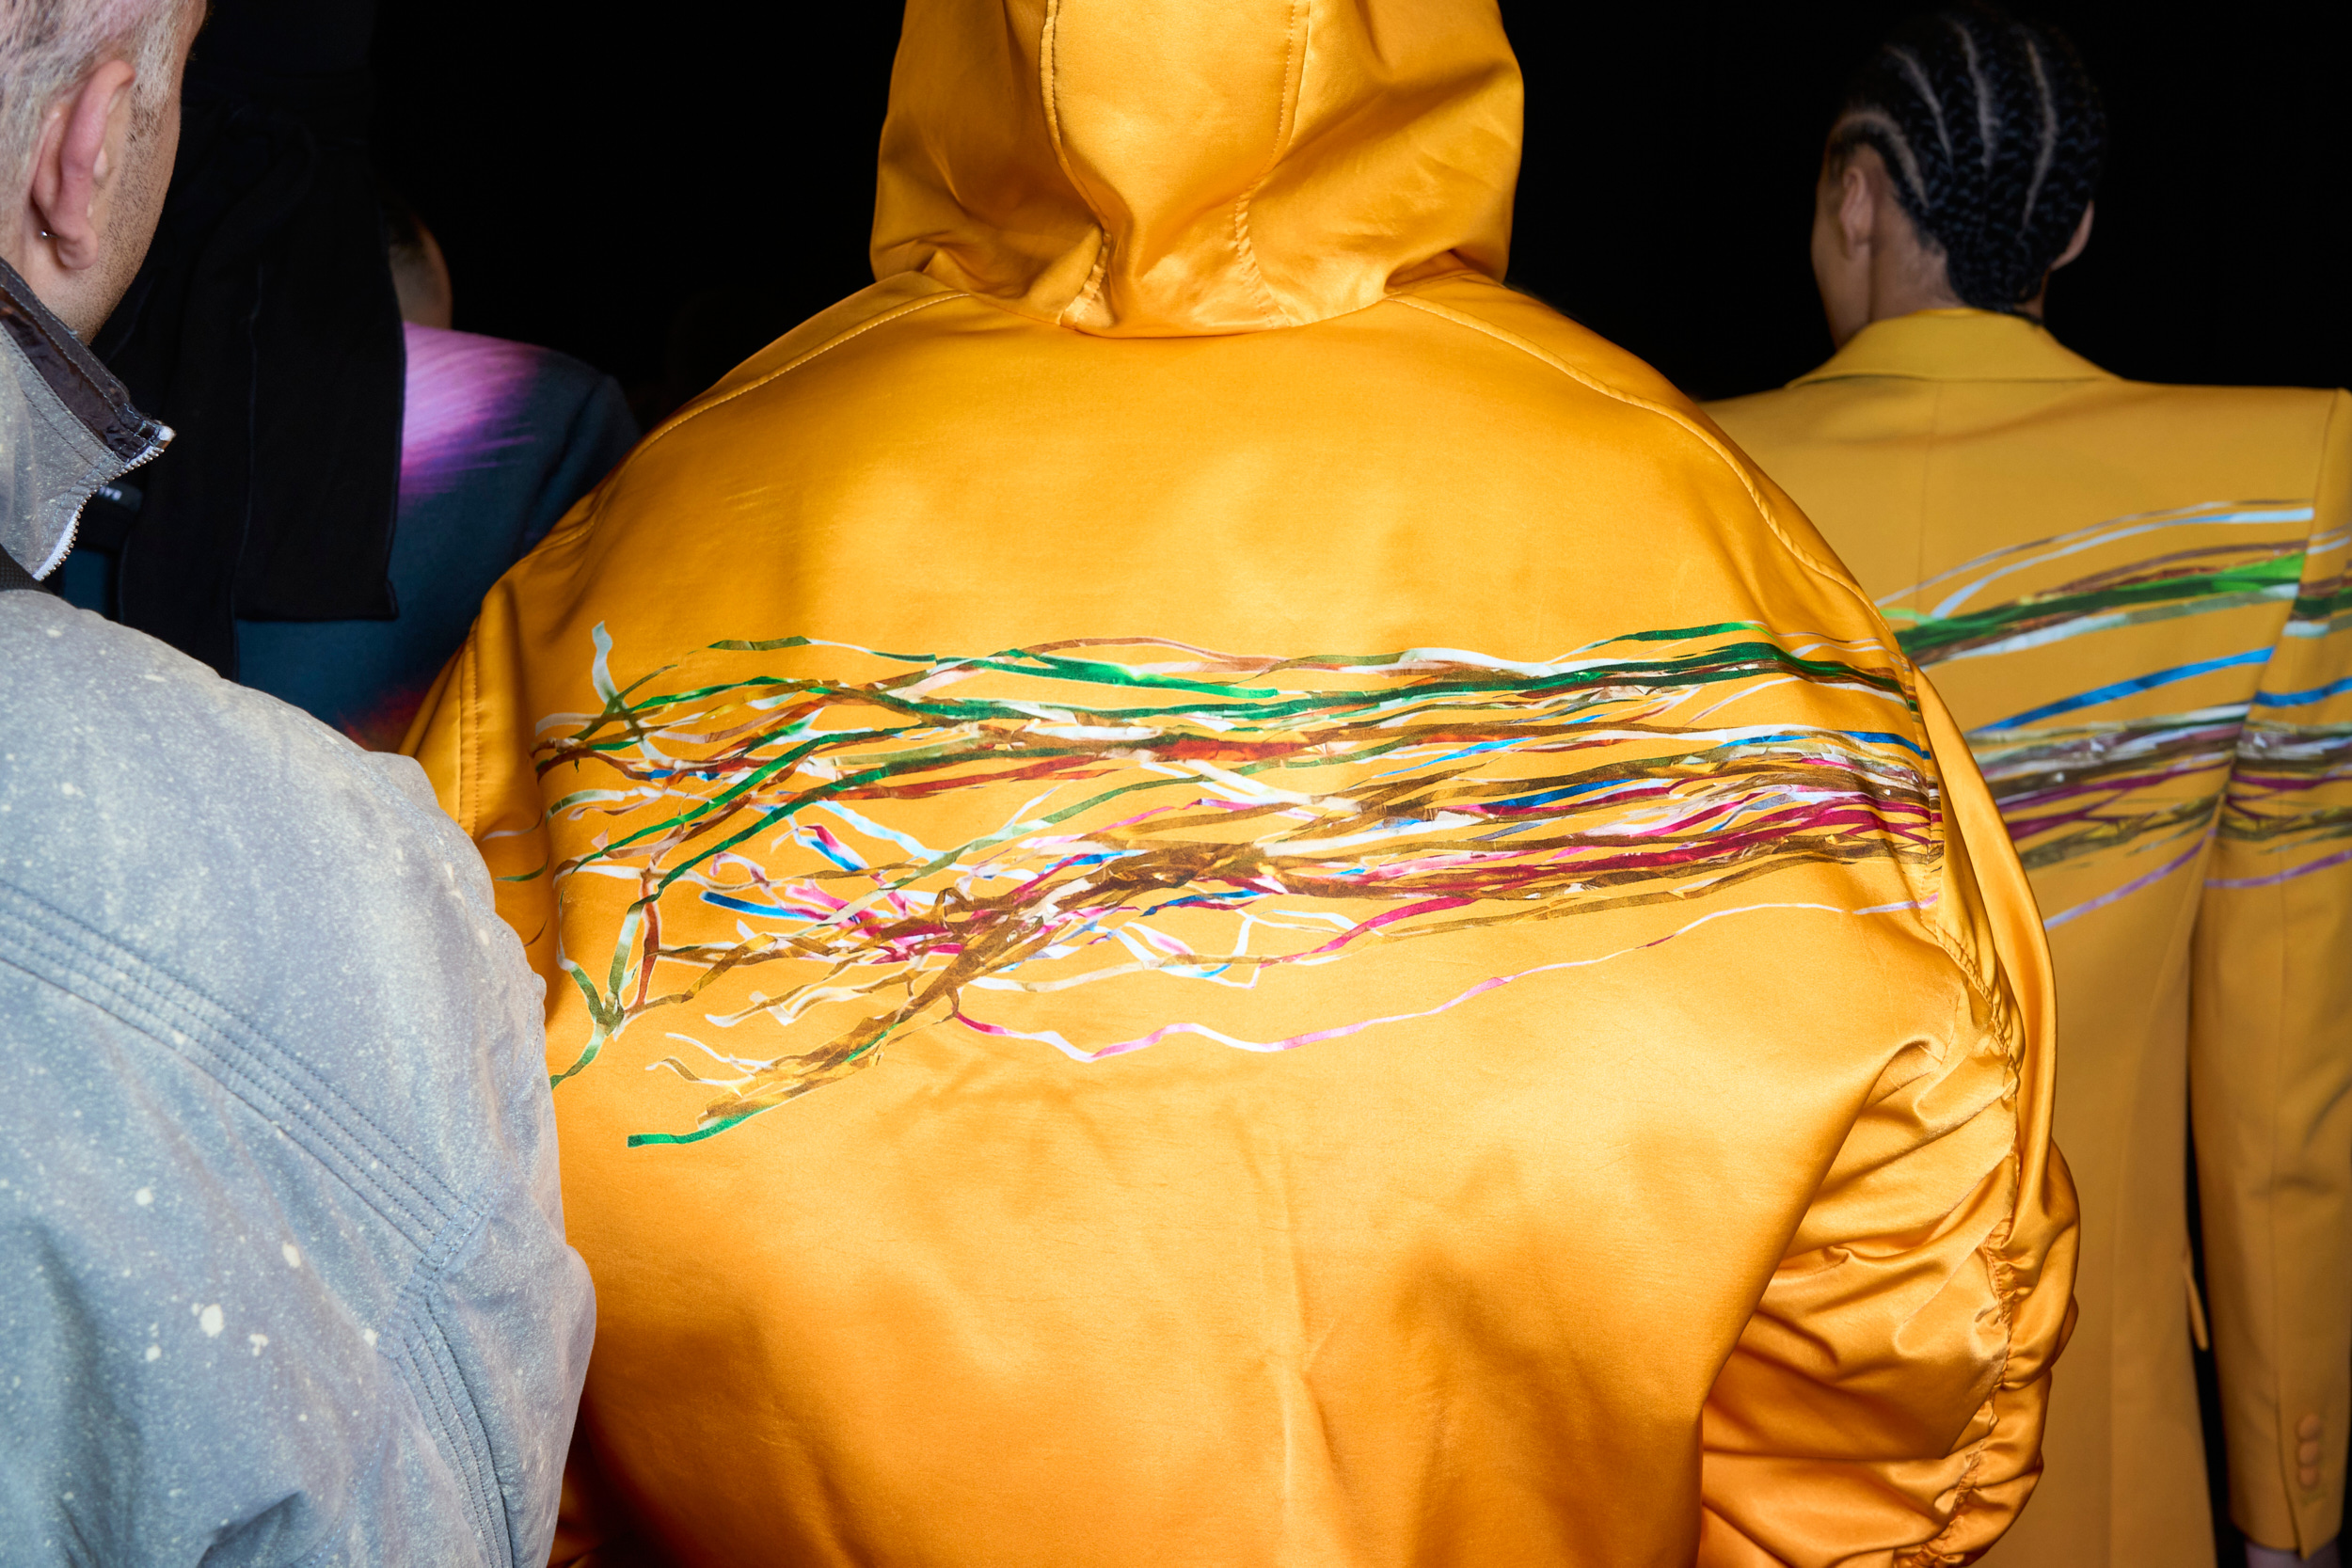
282, 1269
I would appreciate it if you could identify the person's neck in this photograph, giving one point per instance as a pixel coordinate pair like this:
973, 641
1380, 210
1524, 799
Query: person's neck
1904, 279
1917, 282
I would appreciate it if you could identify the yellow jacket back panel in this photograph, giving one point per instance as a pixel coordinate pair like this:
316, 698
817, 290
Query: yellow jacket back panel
1216, 894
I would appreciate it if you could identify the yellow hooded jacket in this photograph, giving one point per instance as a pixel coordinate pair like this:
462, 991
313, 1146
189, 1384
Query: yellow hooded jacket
1216, 894
2133, 596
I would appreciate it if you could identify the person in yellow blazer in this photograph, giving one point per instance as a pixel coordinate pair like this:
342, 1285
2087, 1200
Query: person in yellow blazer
1214, 894
2134, 598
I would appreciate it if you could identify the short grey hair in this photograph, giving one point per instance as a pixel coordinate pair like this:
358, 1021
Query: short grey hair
49, 47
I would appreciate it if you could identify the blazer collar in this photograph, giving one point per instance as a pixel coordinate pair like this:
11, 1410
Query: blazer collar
1956, 345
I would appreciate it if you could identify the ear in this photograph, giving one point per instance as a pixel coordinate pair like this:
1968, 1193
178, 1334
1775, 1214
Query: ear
76, 161
2082, 237
1857, 208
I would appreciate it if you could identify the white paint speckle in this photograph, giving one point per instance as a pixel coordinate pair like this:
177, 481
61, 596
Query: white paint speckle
211, 1321
66, 1497
258, 1342
143, 1196
369, 1335
291, 1253
68, 787
302, 1415
154, 1353
58, 631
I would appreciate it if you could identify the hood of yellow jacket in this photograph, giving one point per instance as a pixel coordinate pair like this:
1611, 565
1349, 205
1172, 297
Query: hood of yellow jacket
1173, 167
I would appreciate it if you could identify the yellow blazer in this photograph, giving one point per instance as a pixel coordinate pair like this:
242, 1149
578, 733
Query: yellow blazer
1216, 894
2132, 597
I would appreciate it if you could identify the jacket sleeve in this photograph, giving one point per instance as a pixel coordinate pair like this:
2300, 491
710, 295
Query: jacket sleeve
1884, 1404
2271, 1057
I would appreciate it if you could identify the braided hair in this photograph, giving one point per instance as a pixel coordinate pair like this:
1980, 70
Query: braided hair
1993, 136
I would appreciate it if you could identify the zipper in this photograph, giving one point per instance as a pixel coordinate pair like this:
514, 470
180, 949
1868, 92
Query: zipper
91, 393
153, 450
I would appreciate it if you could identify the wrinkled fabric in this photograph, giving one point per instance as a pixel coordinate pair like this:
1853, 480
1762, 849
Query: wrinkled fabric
2134, 598
1294, 160
1333, 944
282, 1269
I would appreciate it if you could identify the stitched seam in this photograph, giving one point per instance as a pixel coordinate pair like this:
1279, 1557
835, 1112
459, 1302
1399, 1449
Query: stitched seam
1966, 1491
1092, 289
1904, 668
2271, 1251
1284, 120
157, 1004
2002, 1274
249, 1083
496, 1522
1756, 497
444, 1394
432, 1403
1636, 401
1049, 95
2299, 1511
2013, 1045
1919, 572
798, 361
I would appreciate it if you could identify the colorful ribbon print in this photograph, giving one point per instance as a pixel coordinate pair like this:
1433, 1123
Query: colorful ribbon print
907, 835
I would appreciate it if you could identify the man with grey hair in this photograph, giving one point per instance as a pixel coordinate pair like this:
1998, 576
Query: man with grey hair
282, 1269
90, 117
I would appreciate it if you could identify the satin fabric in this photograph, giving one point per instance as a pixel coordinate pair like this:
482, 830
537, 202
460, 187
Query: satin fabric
1290, 161
1180, 935
2133, 598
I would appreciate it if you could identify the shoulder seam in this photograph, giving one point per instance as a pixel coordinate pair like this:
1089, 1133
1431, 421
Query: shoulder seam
1634, 400
54, 948
2338, 406
697, 409
1763, 511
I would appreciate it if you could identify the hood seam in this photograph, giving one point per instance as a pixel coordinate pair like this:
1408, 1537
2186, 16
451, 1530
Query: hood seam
1049, 91
1286, 121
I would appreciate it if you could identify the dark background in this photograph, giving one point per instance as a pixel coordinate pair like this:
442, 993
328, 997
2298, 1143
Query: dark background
661, 197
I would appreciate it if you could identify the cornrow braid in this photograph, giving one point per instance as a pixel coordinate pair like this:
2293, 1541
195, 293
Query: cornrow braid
1992, 135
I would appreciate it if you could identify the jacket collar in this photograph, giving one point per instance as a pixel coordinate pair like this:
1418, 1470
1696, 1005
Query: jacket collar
66, 427
1957, 345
